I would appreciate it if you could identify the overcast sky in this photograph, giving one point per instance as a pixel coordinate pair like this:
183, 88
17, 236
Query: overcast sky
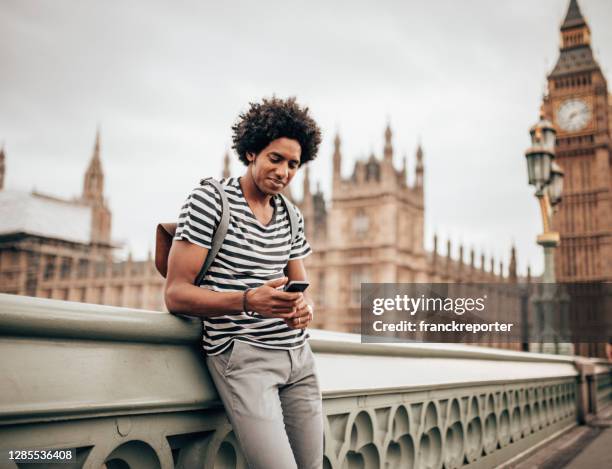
166, 80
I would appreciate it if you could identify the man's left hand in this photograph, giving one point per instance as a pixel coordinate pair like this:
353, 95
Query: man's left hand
303, 316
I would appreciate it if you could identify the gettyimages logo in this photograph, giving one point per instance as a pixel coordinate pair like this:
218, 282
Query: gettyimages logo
412, 305
496, 313
440, 313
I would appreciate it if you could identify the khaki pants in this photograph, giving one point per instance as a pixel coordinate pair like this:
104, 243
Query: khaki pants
273, 402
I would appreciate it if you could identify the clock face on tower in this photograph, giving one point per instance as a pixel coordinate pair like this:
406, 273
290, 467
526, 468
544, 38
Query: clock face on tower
573, 115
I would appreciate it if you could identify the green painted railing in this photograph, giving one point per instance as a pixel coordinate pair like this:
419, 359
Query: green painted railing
128, 388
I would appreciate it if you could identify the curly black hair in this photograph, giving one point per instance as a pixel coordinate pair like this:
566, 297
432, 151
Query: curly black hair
275, 118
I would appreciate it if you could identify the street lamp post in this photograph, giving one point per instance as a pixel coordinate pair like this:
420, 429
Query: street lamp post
550, 302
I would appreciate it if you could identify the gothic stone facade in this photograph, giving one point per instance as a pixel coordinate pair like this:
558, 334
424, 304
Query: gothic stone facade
376, 236
373, 232
62, 249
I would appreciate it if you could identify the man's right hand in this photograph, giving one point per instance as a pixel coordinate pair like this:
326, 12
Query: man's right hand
272, 303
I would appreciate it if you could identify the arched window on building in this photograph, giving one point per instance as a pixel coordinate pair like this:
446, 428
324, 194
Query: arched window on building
359, 275
66, 267
49, 271
361, 223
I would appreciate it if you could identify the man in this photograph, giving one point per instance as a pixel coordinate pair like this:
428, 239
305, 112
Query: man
254, 333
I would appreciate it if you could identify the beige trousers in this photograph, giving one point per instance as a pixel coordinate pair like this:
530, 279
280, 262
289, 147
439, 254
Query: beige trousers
273, 402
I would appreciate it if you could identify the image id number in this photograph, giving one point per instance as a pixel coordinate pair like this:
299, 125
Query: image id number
41, 455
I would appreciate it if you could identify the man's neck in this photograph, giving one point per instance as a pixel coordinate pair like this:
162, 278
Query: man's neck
252, 193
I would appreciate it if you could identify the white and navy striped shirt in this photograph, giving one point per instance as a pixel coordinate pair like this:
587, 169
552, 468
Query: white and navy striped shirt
251, 254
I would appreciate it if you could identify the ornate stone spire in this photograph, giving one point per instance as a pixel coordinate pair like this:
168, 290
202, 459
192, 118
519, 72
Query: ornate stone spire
93, 184
93, 195
226, 166
512, 267
419, 154
307, 204
573, 18
528, 274
472, 257
337, 158
448, 256
575, 34
306, 184
419, 169
2, 167
388, 150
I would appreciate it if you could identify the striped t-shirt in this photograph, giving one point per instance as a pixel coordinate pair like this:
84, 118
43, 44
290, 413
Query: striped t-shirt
252, 254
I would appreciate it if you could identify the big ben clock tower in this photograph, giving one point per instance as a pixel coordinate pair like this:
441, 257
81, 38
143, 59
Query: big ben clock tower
580, 108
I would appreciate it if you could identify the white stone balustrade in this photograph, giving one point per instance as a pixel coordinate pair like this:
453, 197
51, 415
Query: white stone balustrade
129, 388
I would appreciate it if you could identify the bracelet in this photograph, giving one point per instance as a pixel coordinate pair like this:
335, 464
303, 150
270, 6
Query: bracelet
245, 306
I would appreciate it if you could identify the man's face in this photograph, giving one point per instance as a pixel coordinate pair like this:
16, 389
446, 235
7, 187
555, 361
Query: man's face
274, 167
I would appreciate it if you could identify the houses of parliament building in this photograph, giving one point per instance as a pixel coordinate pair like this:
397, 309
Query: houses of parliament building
377, 234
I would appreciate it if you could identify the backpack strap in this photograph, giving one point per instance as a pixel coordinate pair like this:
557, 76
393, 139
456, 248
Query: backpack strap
293, 219
220, 232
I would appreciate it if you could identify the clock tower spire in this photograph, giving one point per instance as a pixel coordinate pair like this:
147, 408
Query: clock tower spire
574, 30
577, 104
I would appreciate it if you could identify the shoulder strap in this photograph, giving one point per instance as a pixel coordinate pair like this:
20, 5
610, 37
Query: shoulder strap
293, 219
220, 232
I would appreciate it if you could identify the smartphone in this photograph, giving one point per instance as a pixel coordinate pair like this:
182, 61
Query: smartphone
296, 286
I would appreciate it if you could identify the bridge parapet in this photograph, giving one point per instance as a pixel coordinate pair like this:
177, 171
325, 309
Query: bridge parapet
128, 388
